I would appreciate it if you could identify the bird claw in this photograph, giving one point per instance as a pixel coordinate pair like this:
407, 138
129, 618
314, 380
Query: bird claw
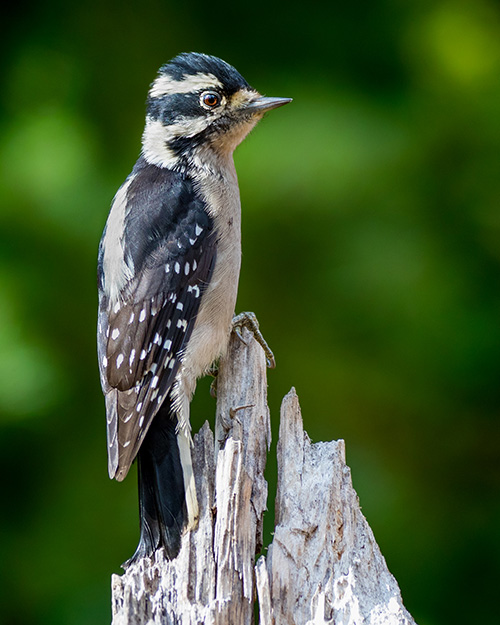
213, 370
249, 320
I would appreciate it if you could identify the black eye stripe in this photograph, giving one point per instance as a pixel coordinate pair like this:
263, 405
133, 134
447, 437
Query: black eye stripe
169, 108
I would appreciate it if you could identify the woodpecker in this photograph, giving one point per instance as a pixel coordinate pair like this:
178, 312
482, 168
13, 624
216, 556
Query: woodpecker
168, 269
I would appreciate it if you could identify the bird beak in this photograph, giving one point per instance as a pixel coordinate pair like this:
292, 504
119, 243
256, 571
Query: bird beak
263, 104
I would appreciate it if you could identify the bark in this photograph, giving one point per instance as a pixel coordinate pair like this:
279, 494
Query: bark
323, 565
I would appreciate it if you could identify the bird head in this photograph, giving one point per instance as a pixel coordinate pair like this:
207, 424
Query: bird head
199, 107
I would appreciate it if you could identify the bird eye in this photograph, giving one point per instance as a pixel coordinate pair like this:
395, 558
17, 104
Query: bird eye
210, 99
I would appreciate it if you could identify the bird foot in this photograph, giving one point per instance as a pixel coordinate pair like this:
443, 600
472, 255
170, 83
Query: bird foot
249, 320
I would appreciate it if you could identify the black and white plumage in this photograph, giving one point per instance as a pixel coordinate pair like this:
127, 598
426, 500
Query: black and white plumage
168, 272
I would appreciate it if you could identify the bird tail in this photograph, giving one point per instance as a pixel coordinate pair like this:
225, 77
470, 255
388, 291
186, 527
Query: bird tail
167, 495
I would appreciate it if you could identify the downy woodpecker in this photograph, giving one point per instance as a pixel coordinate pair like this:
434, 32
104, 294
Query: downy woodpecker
169, 262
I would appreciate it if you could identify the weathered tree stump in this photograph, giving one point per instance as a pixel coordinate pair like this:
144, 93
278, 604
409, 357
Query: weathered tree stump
323, 565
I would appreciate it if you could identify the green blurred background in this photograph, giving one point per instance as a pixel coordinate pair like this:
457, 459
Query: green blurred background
371, 256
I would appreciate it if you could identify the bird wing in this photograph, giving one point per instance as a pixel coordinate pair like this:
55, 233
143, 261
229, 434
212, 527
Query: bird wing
141, 335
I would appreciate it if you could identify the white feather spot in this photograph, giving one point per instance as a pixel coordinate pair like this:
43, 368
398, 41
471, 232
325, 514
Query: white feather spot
132, 357
186, 268
159, 399
171, 363
104, 361
139, 406
143, 354
142, 316
167, 268
126, 444
167, 344
182, 323
177, 268
115, 334
127, 418
116, 307
154, 381
119, 361
141, 421
169, 323
132, 317
180, 306
157, 339
195, 264
193, 241
153, 368
198, 230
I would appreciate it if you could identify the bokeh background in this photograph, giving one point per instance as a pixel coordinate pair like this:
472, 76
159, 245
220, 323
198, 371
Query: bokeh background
371, 237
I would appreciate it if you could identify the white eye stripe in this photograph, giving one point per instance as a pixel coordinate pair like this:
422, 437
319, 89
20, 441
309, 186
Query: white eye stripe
166, 85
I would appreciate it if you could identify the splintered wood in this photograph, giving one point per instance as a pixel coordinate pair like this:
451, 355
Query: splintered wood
323, 565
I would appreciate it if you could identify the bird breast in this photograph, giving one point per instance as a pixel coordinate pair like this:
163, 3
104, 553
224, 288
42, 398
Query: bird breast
213, 324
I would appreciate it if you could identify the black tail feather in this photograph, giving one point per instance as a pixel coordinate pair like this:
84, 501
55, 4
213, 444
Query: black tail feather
162, 501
